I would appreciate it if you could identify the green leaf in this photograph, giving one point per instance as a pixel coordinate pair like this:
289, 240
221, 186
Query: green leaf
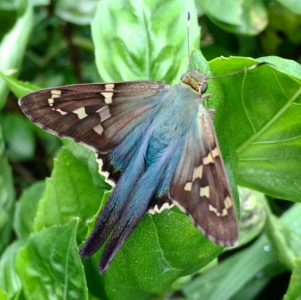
152, 258
9, 279
132, 39
294, 288
3, 295
237, 16
226, 279
19, 137
264, 105
77, 12
8, 16
253, 215
254, 265
7, 196
70, 192
286, 66
11, 56
26, 209
292, 5
49, 265
19, 88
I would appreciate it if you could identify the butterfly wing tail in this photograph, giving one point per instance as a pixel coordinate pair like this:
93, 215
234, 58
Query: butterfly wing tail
137, 205
122, 230
147, 187
104, 224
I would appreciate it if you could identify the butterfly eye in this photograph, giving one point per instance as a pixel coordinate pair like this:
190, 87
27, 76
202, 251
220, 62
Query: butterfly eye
184, 76
204, 87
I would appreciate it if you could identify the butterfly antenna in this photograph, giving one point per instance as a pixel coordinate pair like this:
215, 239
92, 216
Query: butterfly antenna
244, 70
188, 41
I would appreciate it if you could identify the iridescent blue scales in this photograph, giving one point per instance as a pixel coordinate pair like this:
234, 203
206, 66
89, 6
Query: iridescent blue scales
156, 142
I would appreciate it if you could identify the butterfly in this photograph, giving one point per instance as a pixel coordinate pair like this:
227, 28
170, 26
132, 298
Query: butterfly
155, 143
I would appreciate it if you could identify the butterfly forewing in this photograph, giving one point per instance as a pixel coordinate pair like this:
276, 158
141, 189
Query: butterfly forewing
92, 114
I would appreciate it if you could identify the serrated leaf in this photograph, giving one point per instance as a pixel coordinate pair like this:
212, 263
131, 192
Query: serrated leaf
70, 192
49, 265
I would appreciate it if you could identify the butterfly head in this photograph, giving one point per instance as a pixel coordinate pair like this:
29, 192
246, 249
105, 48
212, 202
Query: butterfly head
196, 80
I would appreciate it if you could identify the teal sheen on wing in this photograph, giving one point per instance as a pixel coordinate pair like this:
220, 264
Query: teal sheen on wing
155, 142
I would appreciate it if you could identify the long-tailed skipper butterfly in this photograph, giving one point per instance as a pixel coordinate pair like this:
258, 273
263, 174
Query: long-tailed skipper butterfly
156, 142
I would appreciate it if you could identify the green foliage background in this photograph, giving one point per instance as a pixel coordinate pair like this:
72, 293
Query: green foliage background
44, 221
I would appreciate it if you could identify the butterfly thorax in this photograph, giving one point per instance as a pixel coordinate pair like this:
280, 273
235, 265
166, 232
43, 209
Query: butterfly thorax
177, 110
196, 80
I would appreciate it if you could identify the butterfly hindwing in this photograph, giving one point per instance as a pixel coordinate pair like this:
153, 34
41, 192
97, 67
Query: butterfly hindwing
200, 186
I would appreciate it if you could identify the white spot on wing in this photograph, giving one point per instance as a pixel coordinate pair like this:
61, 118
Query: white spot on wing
108, 93
104, 113
198, 172
55, 93
109, 87
108, 97
208, 159
215, 152
60, 111
98, 128
212, 208
228, 202
204, 191
81, 113
188, 186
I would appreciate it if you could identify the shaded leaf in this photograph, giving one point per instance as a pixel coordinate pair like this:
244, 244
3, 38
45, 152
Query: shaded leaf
11, 56
19, 137
242, 17
7, 196
9, 279
293, 5
26, 209
70, 192
132, 38
254, 265
294, 288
